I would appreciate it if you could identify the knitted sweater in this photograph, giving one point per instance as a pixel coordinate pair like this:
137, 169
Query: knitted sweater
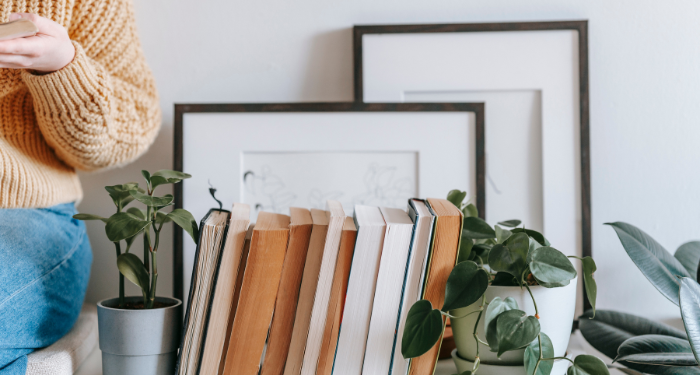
99, 111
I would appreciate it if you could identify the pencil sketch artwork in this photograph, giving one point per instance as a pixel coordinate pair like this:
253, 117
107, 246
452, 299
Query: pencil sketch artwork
275, 181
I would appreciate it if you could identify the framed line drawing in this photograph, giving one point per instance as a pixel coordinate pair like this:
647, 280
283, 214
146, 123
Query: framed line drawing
273, 156
533, 78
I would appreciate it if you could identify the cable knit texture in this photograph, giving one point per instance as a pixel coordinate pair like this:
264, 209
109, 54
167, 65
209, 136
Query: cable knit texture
99, 111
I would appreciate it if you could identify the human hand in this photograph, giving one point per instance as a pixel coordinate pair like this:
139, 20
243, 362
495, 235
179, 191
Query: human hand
47, 51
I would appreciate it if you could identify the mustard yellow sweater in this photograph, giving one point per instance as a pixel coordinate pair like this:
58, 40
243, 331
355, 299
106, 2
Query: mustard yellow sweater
99, 111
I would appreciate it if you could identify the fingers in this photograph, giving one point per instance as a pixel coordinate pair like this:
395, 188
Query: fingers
15, 61
45, 25
20, 46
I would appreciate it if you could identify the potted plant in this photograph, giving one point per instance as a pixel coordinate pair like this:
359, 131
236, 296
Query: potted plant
141, 334
511, 299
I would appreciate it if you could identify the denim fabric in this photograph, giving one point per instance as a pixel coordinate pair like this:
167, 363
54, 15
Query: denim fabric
45, 259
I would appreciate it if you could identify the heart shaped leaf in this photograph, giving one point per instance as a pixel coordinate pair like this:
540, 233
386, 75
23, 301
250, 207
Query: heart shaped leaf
656, 350
510, 223
510, 257
86, 217
515, 329
156, 202
477, 229
690, 311
550, 266
588, 365
534, 234
589, 268
456, 197
133, 269
186, 221
465, 248
532, 354
124, 225
496, 307
689, 256
502, 234
465, 285
423, 329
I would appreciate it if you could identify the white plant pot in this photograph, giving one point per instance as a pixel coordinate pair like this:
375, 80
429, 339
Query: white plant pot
556, 307
559, 367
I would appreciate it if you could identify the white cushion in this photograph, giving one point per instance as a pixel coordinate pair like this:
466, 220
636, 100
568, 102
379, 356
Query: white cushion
67, 354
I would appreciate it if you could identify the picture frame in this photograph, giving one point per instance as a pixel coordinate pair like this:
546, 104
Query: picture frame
220, 143
470, 61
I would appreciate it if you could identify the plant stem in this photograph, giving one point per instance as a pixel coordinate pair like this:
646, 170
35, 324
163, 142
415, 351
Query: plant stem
537, 314
537, 365
154, 272
476, 337
458, 317
147, 241
118, 246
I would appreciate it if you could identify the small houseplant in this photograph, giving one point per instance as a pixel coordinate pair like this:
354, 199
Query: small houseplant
140, 335
496, 265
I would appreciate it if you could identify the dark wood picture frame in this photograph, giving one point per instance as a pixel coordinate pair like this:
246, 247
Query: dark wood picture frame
178, 151
580, 26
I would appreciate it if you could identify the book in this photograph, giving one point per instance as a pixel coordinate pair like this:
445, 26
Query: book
20, 28
288, 294
421, 246
350, 351
261, 279
211, 239
387, 295
309, 280
221, 309
337, 300
319, 312
448, 230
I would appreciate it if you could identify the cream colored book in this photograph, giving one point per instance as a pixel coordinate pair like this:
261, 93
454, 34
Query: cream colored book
20, 28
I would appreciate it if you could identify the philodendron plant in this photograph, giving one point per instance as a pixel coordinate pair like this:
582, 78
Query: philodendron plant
645, 345
126, 225
509, 255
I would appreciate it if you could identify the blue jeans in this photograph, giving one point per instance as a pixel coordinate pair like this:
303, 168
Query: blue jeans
45, 259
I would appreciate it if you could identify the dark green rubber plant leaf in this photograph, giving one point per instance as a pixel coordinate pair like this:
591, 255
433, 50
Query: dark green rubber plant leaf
689, 256
502, 234
156, 202
534, 234
588, 365
589, 269
470, 211
123, 225
422, 331
532, 354
510, 223
465, 285
511, 256
656, 350
186, 221
690, 311
86, 217
657, 265
497, 306
456, 197
515, 329
133, 269
477, 229
465, 248
550, 266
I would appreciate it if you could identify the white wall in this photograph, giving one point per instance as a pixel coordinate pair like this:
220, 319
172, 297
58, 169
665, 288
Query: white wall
645, 99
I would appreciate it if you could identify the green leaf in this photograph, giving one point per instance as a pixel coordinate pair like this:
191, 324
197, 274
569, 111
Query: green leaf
510, 257
589, 269
510, 223
688, 255
186, 221
470, 211
162, 218
482, 249
123, 225
156, 202
588, 365
133, 269
86, 217
515, 329
141, 214
476, 228
456, 197
656, 350
532, 354
690, 311
657, 265
166, 176
465, 248
422, 331
146, 175
534, 234
504, 279
465, 285
502, 234
496, 307
550, 266
120, 194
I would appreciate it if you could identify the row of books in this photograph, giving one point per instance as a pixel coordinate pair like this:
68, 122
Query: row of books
315, 292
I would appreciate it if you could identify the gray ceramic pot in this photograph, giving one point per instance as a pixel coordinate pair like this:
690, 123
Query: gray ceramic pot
139, 342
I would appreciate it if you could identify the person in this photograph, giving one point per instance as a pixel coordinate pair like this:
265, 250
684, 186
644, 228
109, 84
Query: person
76, 96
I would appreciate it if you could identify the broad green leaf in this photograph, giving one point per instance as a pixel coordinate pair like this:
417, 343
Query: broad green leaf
515, 329
146, 175
588, 365
534, 234
464, 373
656, 350
510, 257
502, 234
589, 269
504, 279
156, 202
690, 311
534, 245
510, 223
86, 217
186, 221
120, 194
141, 214
422, 331
482, 250
133, 269
496, 307
162, 218
166, 176
465, 248
123, 225
492, 335
657, 265
465, 285
456, 197
476, 228
550, 266
688, 255
532, 354
470, 211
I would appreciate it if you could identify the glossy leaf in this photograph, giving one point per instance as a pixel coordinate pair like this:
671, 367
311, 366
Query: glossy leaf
465, 285
422, 331
550, 266
133, 269
465, 248
510, 257
688, 255
470, 211
588, 365
656, 350
186, 221
690, 311
156, 202
496, 307
86, 217
476, 228
532, 354
534, 234
456, 197
502, 234
515, 329
657, 265
510, 223
123, 225
589, 269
